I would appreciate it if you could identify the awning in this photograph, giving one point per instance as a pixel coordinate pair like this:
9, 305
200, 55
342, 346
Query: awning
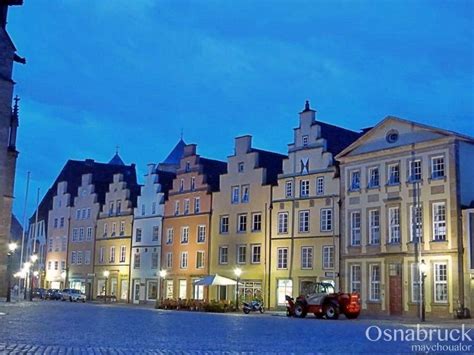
215, 280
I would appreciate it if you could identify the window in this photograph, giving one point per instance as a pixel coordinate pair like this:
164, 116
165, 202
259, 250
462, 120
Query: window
307, 257
374, 227
439, 221
187, 166
304, 188
153, 208
320, 186
111, 208
114, 228
56, 265
57, 244
87, 257
136, 261
154, 260
241, 254
235, 194
415, 283
112, 254
393, 174
441, 282
284, 288
176, 208
123, 253
394, 225
89, 233
256, 222
326, 220
81, 234
79, 257
374, 178
73, 258
184, 235
355, 278
328, 257
197, 205
437, 167
415, 171
181, 185
105, 229
223, 255
138, 235
186, 206
122, 227
101, 255
282, 262
241, 167
119, 207
416, 223
61, 222
49, 265
55, 223
289, 188
256, 253
156, 233
50, 244
182, 289
224, 224
304, 221
355, 228
169, 235
282, 222
64, 243
78, 214
88, 213
201, 235
305, 140
193, 183
169, 260
242, 223
245, 193
199, 260
75, 235
143, 211
355, 180
374, 292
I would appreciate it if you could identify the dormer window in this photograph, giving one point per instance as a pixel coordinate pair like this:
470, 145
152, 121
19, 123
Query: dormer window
305, 140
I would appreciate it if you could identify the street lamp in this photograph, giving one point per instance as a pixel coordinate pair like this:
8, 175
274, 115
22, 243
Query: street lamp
423, 269
11, 249
162, 282
237, 272
106, 275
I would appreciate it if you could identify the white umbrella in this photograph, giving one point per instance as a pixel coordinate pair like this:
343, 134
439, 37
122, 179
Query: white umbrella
215, 280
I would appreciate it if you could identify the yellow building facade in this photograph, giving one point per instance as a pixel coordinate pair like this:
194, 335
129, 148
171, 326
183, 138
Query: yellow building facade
240, 220
304, 240
113, 242
401, 209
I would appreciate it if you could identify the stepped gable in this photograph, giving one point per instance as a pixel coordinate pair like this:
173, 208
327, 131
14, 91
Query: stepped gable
213, 169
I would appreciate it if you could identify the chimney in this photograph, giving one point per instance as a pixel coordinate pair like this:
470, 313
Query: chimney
243, 144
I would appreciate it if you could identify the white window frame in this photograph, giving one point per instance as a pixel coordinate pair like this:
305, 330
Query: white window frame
394, 222
415, 286
185, 235
197, 205
356, 278
282, 258
254, 247
200, 257
123, 253
169, 235
354, 180
393, 173
224, 224
242, 223
326, 219
288, 188
235, 194
328, 256
440, 280
439, 221
176, 208
355, 221
438, 167
183, 260
245, 194
418, 223
223, 254
303, 221
256, 224
320, 185
374, 177
307, 257
282, 222
201, 233
241, 254
304, 188
415, 170
375, 280
374, 226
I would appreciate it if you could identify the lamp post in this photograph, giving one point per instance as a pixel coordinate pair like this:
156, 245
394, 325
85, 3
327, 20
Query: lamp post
237, 272
33, 259
11, 249
162, 281
423, 269
106, 275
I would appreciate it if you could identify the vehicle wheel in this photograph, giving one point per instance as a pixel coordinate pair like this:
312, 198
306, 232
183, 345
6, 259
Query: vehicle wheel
70, 299
246, 310
262, 309
331, 311
351, 315
300, 310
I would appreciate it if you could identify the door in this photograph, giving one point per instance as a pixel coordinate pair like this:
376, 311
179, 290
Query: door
395, 285
136, 291
124, 290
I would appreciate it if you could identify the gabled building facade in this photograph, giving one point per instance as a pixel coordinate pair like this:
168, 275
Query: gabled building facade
304, 239
114, 240
402, 188
57, 238
147, 233
186, 230
240, 220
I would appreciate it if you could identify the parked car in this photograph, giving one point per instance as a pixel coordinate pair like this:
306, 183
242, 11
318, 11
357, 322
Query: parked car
53, 294
70, 294
323, 301
39, 293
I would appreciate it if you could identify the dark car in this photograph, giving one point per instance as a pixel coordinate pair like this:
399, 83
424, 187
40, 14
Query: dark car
53, 294
39, 293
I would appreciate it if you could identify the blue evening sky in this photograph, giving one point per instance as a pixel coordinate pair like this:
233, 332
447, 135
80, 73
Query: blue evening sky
102, 73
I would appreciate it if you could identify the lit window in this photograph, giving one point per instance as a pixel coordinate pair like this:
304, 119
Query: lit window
416, 224
374, 227
439, 221
441, 282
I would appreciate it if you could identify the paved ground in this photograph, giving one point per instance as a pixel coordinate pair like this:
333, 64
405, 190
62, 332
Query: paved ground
55, 327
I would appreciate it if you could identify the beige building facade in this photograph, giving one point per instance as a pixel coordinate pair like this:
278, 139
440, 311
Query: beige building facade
240, 221
304, 239
402, 187
114, 240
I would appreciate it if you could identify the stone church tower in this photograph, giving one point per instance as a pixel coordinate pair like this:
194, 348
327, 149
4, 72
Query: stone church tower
8, 133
